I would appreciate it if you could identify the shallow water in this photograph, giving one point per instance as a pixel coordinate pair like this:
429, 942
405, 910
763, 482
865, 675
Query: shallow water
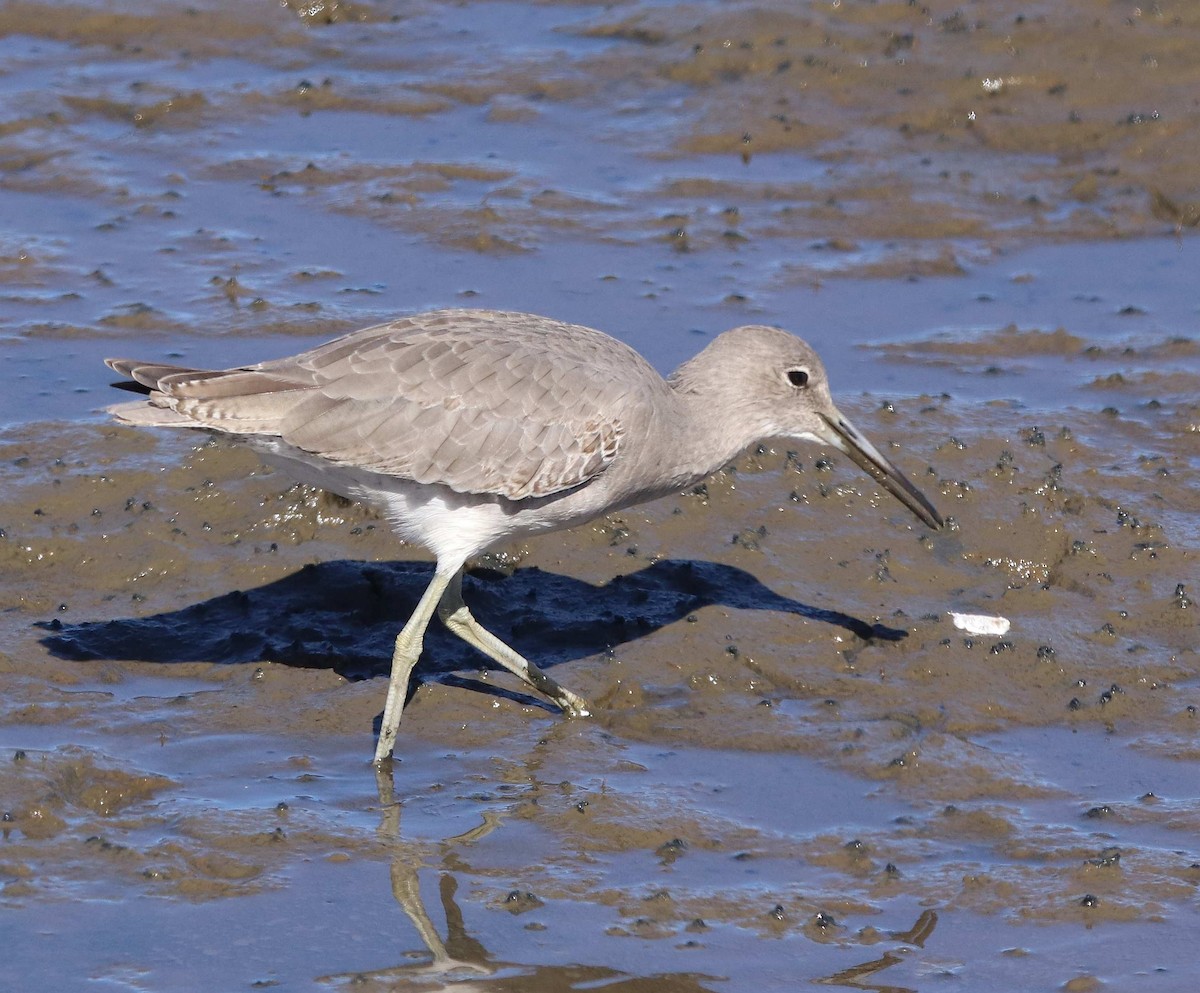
799, 772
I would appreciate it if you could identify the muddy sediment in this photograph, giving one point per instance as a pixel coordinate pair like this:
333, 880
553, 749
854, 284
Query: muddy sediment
784, 607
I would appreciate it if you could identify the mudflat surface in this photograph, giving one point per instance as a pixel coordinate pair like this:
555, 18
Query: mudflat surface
799, 772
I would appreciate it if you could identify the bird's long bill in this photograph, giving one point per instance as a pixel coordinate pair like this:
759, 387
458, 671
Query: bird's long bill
847, 439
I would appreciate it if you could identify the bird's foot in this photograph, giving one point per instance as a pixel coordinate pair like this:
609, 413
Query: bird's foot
573, 705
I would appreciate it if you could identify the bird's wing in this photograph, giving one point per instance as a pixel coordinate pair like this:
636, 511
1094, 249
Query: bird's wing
239, 401
479, 401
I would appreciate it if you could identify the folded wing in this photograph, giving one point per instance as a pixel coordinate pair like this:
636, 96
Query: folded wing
480, 402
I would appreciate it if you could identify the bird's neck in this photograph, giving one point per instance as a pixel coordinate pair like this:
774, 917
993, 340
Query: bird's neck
710, 432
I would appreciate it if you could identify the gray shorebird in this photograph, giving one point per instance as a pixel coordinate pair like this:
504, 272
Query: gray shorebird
469, 428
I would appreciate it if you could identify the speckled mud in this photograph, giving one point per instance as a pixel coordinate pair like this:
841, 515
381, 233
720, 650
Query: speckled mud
799, 771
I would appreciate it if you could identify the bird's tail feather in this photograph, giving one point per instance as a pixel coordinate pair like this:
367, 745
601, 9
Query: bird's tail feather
144, 414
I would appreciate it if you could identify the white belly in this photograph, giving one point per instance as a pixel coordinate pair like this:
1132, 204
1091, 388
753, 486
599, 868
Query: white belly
451, 525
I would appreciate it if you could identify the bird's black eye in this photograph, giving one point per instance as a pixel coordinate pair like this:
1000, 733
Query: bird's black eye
798, 377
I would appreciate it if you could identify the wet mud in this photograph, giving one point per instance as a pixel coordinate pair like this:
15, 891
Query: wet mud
180, 595
799, 770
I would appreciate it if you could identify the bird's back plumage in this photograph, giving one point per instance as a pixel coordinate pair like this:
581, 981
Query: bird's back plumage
482, 402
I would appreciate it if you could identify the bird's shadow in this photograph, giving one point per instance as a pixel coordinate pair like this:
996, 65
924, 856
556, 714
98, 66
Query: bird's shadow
344, 615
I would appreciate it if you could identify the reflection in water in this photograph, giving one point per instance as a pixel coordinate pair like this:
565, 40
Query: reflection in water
457, 959
461, 962
857, 975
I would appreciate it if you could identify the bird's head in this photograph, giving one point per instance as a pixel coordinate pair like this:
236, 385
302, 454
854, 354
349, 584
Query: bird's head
773, 385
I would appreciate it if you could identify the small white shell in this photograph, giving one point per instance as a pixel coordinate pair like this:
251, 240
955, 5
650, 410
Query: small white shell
980, 623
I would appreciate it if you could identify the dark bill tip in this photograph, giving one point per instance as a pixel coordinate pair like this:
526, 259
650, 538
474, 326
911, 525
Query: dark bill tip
879, 467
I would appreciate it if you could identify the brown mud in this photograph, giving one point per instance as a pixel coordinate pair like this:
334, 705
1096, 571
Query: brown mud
175, 596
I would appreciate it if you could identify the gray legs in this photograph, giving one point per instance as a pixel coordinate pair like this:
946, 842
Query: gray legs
408, 649
458, 618
444, 594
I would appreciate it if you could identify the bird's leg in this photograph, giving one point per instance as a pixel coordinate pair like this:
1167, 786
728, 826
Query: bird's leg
458, 618
408, 649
